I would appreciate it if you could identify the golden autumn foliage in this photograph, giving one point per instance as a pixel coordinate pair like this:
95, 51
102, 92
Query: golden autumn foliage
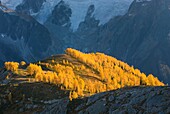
91, 73
34, 69
12, 66
22, 63
111, 70
73, 95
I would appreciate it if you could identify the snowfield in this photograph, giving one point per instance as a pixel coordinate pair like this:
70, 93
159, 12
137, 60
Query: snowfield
104, 9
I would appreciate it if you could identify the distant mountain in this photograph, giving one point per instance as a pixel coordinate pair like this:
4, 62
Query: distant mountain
136, 32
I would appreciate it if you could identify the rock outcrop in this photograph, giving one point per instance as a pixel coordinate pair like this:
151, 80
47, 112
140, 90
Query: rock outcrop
32, 98
135, 100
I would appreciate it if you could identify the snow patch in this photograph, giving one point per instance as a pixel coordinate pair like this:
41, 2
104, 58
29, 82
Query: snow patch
11, 3
168, 36
46, 10
143, 0
2, 35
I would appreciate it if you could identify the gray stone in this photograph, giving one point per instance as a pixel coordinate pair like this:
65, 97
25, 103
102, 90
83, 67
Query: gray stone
97, 107
95, 97
35, 106
140, 112
168, 110
21, 110
118, 112
162, 112
28, 106
131, 110
80, 106
59, 107
154, 109
111, 98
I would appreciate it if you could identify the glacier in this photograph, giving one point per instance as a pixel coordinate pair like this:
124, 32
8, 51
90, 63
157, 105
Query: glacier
104, 9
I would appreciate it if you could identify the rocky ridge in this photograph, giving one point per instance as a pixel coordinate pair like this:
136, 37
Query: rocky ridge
135, 100
130, 100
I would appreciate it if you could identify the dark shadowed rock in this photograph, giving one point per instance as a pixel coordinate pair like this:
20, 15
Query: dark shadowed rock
61, 15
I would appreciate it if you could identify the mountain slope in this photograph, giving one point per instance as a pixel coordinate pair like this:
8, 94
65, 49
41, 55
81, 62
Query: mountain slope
84, 73
21, 37
64, 84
